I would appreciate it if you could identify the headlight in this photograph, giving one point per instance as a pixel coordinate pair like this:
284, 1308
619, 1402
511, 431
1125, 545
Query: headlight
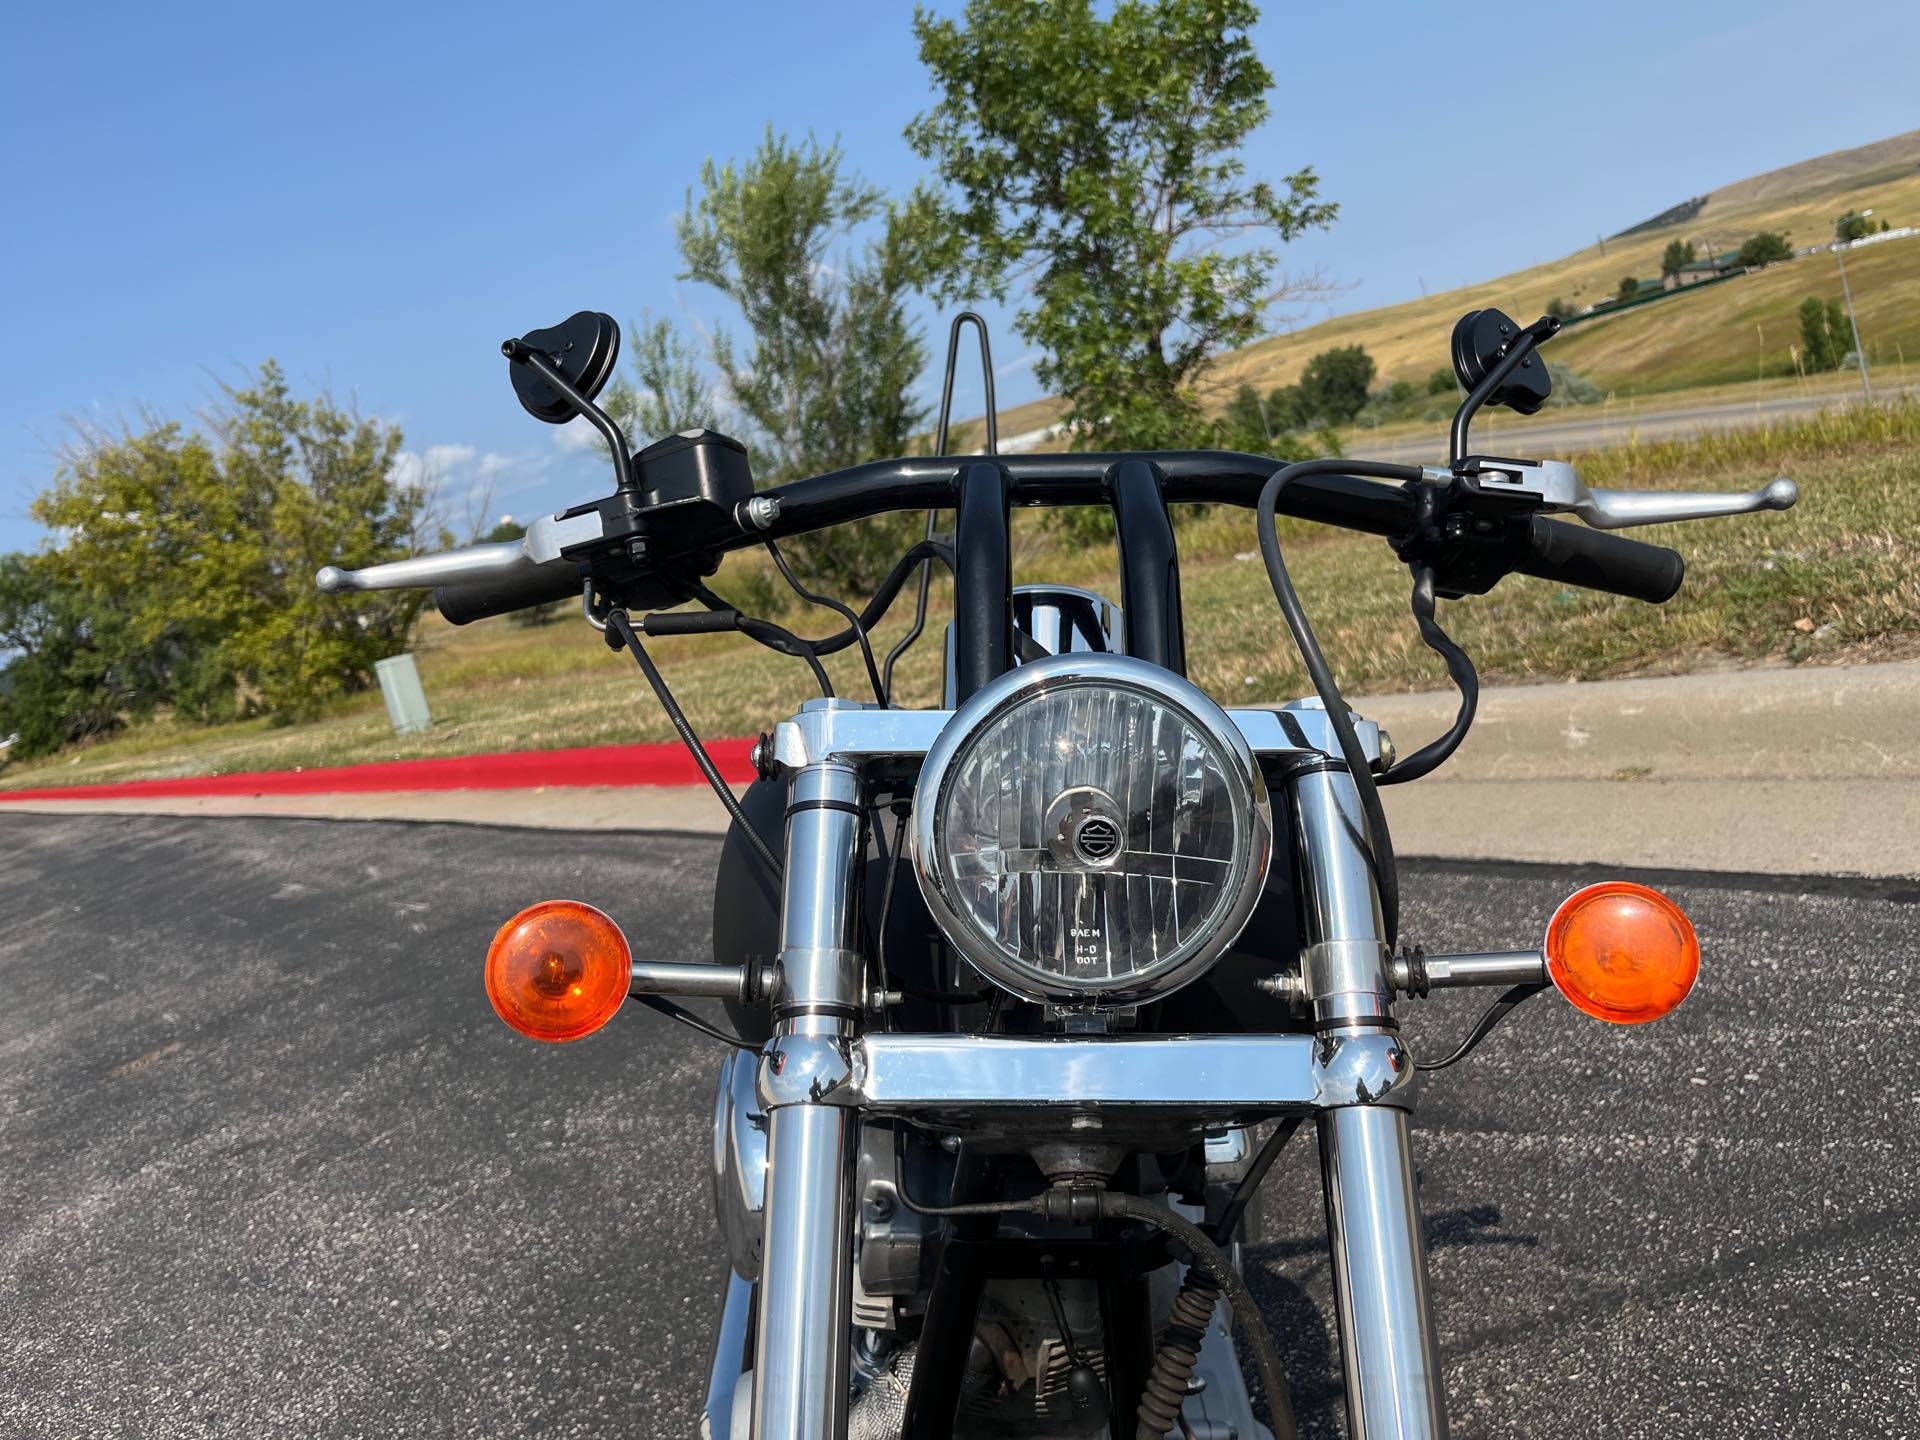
1091, 830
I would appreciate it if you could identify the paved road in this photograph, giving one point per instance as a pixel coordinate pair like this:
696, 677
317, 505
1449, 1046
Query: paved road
1502, 433
272, 1167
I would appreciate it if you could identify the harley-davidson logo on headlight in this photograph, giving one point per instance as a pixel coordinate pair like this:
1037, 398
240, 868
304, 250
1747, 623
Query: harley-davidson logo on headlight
1096, 839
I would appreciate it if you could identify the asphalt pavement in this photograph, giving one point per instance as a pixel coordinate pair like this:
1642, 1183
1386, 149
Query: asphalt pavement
272, 1167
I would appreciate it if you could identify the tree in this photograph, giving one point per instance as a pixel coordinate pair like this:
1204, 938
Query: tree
1441, 381
1852, 225
507, 529
1816, 351
1245, 418
76, 669
1094, 159
1264, 427
1559, 309
1826, 339
828, 378
670, 395
1678, 255
1629, 287
1764, 249
1333, 387
324, 484
184, 563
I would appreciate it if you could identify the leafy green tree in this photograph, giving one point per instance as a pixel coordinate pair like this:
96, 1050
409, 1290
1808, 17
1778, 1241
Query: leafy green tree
1245, 419
323, 482
828, 376
1678, 255
1629, 287
1764, 249
1265, 427
1852, 226
188, 561
1091, 155
667, 394
75, 669
1826, 339
1441, 381
1334, 385
504, 531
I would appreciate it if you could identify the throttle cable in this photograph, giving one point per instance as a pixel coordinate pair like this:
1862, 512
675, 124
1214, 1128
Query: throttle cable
620, 626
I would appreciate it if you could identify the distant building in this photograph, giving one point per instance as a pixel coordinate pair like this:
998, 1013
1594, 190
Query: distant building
1694, 271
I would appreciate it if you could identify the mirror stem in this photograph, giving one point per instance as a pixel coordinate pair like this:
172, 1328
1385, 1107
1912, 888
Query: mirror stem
520, 353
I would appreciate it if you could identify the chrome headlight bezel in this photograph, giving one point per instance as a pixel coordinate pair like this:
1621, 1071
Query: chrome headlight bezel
1247, 791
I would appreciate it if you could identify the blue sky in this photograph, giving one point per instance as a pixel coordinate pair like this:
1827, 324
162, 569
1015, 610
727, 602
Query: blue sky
356, 190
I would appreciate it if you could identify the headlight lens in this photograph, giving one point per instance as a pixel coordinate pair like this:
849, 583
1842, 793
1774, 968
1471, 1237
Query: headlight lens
1091, 829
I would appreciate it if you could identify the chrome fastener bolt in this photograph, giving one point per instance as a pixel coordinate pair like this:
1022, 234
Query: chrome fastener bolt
1389, 753
762, 511
1288, 985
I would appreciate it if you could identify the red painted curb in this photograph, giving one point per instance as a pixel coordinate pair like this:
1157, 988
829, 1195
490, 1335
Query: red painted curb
513, 770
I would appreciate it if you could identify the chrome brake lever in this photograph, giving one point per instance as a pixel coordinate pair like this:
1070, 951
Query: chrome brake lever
1555, 488
542, 544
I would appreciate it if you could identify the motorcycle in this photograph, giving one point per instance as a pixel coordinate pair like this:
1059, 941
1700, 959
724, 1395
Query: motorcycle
1026, 993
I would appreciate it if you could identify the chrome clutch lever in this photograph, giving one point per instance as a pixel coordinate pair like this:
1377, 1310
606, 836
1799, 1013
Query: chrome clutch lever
542, 544
1617, 509
1555, 488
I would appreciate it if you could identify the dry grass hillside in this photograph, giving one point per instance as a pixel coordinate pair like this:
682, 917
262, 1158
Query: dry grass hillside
1701, 339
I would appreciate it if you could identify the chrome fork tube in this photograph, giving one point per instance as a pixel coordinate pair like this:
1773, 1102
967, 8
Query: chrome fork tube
1373, 1215
800, 1374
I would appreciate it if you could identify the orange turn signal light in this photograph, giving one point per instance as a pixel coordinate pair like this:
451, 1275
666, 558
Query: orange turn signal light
558, 970
1622, 952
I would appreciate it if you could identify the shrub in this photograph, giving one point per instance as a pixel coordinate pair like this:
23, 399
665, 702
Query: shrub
1764, 249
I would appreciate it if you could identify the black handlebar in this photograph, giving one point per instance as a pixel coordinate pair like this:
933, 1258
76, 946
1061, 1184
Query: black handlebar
1548, 550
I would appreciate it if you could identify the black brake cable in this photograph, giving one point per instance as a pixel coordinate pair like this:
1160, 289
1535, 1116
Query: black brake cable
619, 625
907, 987
686, 1017
1466, 679
1483, 1027
840, 607
1243, 1193
1385, 874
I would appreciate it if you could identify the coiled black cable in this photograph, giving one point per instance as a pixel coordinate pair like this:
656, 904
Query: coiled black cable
1466, 679
1177, 1357
1212, 1261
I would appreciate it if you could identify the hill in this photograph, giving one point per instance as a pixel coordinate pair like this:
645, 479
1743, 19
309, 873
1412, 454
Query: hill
1664, 346
1887, 159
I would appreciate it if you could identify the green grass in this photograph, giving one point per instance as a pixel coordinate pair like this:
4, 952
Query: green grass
1837, 579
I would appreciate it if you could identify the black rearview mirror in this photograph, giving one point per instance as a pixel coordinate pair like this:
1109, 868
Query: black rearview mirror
1481, 340
583, 348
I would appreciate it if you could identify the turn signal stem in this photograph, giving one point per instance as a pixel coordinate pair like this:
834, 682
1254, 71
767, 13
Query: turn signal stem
748, 984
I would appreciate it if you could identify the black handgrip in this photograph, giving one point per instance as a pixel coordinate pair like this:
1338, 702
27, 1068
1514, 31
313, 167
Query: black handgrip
1574, 555
521, 588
